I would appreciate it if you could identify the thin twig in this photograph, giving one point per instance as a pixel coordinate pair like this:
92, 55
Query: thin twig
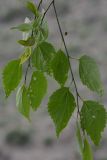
60, 29
46, 11
40, 4
26, 73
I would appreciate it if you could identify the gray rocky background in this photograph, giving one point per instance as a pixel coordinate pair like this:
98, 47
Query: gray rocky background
86, 24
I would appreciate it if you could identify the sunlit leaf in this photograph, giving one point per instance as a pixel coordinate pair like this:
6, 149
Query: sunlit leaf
24, 57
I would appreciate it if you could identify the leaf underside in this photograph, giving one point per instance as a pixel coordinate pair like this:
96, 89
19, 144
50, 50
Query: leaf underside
89, 74
87, 152
23, 102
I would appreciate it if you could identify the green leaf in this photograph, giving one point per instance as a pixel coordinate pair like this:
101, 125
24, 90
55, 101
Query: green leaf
24, 27
44, 30
37, 22
37, 89
42, 56
93, 119
38, 59
87, 152
23, 102
32, 7
47, 50
24, 57
29, 42
79, 138
41, 32
60, 107
12, 74
60, 67
89, 74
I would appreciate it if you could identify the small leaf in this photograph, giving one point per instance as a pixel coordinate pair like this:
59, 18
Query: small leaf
44, 30
42, 56
37, 22
24, 57
60, 67
47, 50
38, 59
32, 7
89, 74
41, 33
79, 138
27, 34
23, 102
12, 74
87, 152
24, 27
37, 89
93, 119
60, 107
29, 42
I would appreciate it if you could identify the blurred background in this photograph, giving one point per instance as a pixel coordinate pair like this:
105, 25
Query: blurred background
86, 24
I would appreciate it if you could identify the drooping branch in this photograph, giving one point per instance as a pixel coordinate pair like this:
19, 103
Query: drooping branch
60, 29
65, 46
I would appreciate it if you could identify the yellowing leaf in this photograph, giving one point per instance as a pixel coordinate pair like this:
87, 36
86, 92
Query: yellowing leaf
24, 57
29, 42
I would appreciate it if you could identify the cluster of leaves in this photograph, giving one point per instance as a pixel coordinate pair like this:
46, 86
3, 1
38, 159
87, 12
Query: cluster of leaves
43, 59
